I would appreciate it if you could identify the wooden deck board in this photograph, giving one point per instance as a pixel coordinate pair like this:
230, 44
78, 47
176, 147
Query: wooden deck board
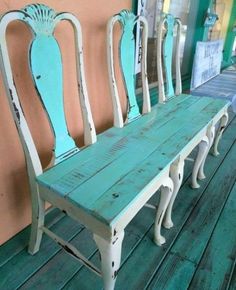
214, 269
142, 261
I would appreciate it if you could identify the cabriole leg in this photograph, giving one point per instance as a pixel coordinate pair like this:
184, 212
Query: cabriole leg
176, 174
202, 149
38, 213
110, 252
223, 123
210, 136
166, 192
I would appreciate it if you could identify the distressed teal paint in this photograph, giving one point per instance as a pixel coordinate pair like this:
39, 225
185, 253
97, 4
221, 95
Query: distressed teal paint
168, 54
127, 60
46, 67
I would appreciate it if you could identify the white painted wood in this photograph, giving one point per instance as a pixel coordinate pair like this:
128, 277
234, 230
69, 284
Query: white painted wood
146, 94
161, 87
89, 128
118, 117
176, 174
34, 167
38, 216
202, 149
110, 258
223, 122
32, 157
210, 136
166, 193
178, 85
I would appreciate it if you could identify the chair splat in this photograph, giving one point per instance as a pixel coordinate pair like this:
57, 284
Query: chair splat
128, 22
46, 67
165, 57
127, 56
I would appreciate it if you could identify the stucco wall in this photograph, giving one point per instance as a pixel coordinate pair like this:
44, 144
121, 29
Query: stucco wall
15, 210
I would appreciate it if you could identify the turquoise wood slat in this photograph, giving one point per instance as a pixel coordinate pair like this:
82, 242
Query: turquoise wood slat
127, 60
168, 54
46, 67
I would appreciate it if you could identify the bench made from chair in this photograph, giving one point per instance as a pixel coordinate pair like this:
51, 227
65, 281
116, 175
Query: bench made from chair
103, 185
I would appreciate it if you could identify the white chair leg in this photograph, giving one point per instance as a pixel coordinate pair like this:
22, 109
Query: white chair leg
202, 149
166, 192
38, 214
223, 123
210, 136
176, 174
110, 252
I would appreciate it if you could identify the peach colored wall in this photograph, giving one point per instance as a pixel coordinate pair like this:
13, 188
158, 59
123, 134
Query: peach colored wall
15, 210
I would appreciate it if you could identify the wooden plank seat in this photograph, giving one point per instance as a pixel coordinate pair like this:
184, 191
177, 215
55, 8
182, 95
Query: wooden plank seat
104, 185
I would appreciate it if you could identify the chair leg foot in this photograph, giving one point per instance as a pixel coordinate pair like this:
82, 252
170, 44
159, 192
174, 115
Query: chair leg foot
166, 192
110, 252
38, 214
223, 123
202, 150
176, 174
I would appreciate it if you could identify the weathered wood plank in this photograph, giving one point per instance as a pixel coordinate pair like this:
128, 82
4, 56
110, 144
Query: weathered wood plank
25, 265
199, 226
215, 266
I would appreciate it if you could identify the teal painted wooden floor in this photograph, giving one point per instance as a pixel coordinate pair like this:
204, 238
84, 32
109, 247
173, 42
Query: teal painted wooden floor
200, 252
